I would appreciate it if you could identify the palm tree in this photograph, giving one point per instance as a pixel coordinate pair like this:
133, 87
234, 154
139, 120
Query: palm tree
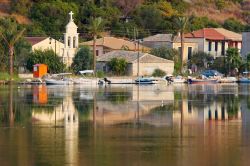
95, 28
181, 23
11, 37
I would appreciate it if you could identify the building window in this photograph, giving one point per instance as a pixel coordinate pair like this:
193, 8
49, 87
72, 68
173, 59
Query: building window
190, 50
69, 42
97, 52
209, 46
223, 48
74, 42
216, 46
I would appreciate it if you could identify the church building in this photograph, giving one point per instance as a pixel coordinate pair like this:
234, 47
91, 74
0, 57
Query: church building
70, 41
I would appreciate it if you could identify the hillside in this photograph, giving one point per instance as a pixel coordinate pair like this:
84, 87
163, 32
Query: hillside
5, 10
147, 16
212, 10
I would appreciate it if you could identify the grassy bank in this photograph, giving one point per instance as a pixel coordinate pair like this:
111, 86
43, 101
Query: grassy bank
4, 76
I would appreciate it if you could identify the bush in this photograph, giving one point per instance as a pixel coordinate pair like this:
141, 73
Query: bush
48, 57
158, 73
233, 25
118, 65
100, 74
83, 60
164, 52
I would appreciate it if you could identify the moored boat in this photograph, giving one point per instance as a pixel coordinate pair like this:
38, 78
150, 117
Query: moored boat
145, 80
244, 80
202, 81
58, 82
228, 80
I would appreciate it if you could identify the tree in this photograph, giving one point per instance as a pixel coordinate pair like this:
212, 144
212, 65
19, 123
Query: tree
118, 65
158, 73
45, 13
233, 25
127, 6
48, 57
201, 59
233, 59
21, 6
11, 34
164, 52
95, 28
83, 60
181, 23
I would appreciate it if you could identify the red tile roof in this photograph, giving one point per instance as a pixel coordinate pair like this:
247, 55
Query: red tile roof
207, 33
35, 40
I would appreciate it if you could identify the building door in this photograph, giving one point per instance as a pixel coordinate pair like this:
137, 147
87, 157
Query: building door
190, 50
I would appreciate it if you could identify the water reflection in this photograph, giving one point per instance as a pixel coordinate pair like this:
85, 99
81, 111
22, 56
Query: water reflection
120, 125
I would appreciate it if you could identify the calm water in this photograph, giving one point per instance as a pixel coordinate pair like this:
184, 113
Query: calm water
125, 125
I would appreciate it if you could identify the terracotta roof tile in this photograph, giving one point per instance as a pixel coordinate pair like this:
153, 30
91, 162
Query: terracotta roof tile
35, 40
131, 56
114, 43
208, 33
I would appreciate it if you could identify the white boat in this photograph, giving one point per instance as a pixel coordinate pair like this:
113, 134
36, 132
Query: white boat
51, 81
146, 80
59, 79
84, 79
88, 81
228, 80
177, 79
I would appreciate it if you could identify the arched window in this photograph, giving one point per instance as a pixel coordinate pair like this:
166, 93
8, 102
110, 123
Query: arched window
74, 42
69, 43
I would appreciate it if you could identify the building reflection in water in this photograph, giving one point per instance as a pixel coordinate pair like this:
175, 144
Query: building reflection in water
62, 114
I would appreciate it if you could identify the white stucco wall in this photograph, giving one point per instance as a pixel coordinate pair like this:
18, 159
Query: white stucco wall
47, 44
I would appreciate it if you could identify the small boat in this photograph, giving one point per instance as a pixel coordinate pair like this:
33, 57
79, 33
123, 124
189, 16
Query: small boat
58, 82
202, 80
177, 79
146, 80
85, 80
59, 79
228, 80
244, 80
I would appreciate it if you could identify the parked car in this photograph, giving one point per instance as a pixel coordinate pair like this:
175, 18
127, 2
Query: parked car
211, 73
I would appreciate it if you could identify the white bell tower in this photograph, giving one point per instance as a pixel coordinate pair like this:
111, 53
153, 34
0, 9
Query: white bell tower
70, 41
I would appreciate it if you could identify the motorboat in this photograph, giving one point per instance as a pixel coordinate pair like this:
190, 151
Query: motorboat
202, 80
85, 80
244, 80
228, 80
59, 79
172, 79
146, 80
51, 81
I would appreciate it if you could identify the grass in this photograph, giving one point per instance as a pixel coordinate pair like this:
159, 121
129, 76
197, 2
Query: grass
4, 76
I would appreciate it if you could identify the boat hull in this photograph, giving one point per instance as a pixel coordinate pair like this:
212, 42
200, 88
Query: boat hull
197, 81
57, 82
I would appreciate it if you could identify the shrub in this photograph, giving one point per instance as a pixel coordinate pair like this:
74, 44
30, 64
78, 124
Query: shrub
118, 65
83, 60
100, 74
158, 73
48, 57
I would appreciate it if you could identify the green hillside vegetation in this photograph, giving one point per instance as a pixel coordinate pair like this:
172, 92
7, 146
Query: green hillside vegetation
123, 16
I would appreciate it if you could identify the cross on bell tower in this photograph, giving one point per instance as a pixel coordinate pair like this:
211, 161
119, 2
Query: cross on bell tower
71, 16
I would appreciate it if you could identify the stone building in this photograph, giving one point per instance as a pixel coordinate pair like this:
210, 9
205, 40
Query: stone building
167, 40
108, 44
215, 41
147, 63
